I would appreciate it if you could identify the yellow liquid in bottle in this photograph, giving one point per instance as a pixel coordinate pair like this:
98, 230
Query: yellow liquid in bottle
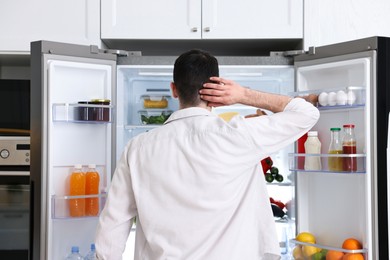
335, 163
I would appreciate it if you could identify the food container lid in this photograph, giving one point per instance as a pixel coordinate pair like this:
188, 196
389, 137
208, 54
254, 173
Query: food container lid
100, 101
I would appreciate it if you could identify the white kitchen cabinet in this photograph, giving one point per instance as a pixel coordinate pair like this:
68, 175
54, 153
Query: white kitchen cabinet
334, 21
23, 21
202, 19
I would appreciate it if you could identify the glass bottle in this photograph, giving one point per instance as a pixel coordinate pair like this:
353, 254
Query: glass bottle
312, 146
349, 147
335, 147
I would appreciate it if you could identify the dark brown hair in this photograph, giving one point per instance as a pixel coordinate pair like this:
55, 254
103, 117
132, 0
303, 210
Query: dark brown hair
192, 69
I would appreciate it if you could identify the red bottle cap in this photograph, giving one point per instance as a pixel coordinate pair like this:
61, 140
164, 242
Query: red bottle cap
350, 125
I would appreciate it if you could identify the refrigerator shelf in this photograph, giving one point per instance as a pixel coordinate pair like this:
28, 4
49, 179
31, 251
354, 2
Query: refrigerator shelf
60, 205
340, 107
81, 113
296, 162
284, 183
140, 127
362, 251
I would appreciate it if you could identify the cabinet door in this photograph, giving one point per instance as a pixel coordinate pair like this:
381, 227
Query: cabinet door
74, 21
252, 19
151, 19
333, 21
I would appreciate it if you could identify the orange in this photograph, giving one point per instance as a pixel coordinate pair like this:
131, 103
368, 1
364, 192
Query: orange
350, 256
352, 244
334, 255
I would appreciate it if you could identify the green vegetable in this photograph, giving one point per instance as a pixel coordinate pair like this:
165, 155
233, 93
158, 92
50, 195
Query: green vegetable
269, 177
279, 178
274, 171
154, 120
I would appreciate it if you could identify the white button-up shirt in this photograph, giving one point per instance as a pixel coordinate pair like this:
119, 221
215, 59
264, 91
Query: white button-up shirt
197, 189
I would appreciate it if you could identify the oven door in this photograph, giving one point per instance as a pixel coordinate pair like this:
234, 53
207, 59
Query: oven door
14, 213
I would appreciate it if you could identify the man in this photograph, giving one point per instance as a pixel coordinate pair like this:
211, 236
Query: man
195, 183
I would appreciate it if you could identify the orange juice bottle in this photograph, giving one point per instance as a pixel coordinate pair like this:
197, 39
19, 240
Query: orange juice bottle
77, 188
92, 188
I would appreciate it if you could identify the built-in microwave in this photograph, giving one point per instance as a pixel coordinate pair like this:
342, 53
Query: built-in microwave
15, 107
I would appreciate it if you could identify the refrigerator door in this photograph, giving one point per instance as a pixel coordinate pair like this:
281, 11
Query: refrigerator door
73, 117
336, 204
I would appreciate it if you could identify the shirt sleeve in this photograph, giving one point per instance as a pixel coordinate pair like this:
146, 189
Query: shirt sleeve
273, 132
116, 218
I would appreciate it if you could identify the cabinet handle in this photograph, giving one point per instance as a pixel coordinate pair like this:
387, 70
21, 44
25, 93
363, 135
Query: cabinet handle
207, 29
194, 29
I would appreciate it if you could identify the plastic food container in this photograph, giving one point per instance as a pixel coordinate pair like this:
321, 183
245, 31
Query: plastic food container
155, 102
148, 117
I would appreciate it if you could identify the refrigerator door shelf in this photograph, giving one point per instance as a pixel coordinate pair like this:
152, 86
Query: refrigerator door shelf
357, 251
81, 113
295, 162
60, 205
339, 107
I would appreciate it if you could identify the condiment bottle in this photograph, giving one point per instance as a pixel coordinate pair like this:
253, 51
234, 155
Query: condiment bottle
77, 188
301, 149
335, 147
312, 146
92, 188
349, 147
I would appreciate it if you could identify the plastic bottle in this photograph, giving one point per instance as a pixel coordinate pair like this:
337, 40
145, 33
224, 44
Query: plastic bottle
335, 147
92, 188
349, 147
74, 255
91, 254
312, 146
77, 188
301, 149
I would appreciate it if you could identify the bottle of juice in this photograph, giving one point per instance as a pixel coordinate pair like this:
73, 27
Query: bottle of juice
77, 188
92, 188
335, 147
349, 147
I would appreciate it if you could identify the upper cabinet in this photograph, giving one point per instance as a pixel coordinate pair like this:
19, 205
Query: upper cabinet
73, 21
334, 21
202, 19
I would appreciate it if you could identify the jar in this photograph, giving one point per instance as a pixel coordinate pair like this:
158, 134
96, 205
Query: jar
100, 113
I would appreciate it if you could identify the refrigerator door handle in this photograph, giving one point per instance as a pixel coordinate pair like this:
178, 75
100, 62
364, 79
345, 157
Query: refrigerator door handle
388, 174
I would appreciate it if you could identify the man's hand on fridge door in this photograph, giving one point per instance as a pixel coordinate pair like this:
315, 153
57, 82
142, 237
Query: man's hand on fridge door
222, 92
311, 98
259, 112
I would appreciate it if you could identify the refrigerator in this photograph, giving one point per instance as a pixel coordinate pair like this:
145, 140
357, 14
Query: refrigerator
68, 81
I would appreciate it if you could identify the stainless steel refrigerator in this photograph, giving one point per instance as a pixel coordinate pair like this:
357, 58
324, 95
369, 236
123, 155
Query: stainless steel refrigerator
67, 80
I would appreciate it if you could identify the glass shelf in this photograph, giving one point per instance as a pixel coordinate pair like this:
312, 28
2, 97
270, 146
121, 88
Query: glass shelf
362, 251
60, 205
82, 113
296, 162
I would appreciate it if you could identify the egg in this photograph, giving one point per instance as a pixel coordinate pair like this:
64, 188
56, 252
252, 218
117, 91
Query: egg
341, 98
332, 98
323, 99
351, 97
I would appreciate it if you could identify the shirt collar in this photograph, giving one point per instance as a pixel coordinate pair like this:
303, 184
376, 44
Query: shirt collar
188, 112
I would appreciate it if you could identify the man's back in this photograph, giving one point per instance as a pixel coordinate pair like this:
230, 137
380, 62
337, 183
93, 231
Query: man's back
199, 191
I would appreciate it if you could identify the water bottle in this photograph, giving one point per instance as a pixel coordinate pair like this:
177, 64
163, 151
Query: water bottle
75, 255
91, 254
